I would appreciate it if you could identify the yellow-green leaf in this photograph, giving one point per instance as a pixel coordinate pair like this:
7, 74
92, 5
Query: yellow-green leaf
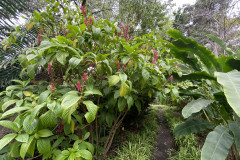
124, 89
29, 26
113, 80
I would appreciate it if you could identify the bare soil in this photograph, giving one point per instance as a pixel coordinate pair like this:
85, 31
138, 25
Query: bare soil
165, 140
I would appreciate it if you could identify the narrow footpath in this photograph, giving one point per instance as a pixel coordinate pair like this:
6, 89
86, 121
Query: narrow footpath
165, 139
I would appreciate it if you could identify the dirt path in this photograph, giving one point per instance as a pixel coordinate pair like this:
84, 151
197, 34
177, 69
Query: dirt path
165, 139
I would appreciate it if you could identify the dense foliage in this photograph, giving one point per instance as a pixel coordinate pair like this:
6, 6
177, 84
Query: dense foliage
85, 77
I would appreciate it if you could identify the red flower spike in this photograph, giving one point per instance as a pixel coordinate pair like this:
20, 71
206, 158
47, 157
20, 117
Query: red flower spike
41, 31
125, 66
52, 88
79, 86
69, 31
119, 66
86, 22
83, 11
91, 21
85, 77
121, 26
171, 77
125, 33
50, 69
130, 38
39, 39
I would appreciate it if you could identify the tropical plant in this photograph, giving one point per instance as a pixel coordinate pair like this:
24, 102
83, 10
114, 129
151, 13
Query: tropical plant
216, 97
84, 78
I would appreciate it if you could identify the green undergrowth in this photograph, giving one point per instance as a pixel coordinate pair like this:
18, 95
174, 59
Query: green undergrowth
188, 147
140, 145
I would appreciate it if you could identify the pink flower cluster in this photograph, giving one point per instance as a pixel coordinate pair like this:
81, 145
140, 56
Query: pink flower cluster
39, 38
124, 67
52, 87
155, 56
50, 68
84, 79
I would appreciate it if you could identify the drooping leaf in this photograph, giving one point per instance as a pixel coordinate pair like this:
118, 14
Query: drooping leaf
25, 147
43, 96
84, 154
31, 71
113, 80
61, 57
145, 74
235, 128
121, 104
22, 137
123, 77
30, 125
231, 86
124, 89
9, 124
73, 62
48, 119
195, 106
70, 100
14, 110
8, 103
191, 126
217, 144
6, 139
45, 133
43, 145
93, 91
92, 111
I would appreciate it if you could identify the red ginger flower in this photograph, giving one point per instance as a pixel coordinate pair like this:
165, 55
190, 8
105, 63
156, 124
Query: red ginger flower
119, 66
125, 33
79, 86
121, 26
52, 88
90, 20
83, 11
50, 69
85, 77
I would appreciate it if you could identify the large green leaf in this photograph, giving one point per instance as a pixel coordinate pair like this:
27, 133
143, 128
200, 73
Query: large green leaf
195, 106
43, 145
231, 85
61, 57
191, 47
191, 126
9, 124
145, 74
70, 100
113, 80
45, 133
31, 71
92, 111
235, 128
30, 125
194, 76
221, 43
217, 144
43, 96
14, 110
73, 62
25, 147
8, 103
84, 154
124, 89
48, 119
6, 139
122, 103
22, 137
93, 91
